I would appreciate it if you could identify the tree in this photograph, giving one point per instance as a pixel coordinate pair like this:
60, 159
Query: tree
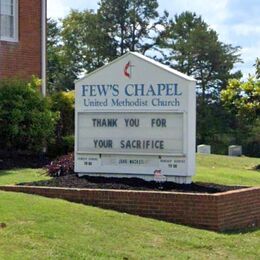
84, 41
131, 23
58, 72
192, 47
79, 45
242, 99
86, 45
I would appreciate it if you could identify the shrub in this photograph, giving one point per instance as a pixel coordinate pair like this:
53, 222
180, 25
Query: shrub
63, 165
26, 121
62, 146
63, 142
251, 146
63, 102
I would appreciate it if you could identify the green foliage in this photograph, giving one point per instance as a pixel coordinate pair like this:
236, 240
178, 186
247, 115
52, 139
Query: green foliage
252, 144
194, 49
130, 22
59, 75
86, 45
62, 146
243, 98
213, 127
63, 104
26, 120
84, 41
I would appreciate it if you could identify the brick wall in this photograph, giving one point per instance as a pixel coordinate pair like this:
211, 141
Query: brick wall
224, 211
239, 209
23, 58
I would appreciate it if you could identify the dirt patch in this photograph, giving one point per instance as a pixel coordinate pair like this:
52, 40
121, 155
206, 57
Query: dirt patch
257, 167
2, 225
73, 181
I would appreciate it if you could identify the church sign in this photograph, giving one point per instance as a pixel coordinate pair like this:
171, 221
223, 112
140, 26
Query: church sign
135, 118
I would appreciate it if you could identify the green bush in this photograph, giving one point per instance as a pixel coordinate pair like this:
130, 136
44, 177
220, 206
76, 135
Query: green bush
251, 146
63, 143
63, 102
26, 121
62, 146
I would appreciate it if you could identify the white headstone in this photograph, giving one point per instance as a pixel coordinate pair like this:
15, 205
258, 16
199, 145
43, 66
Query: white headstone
204, 149
135, 116
235, 150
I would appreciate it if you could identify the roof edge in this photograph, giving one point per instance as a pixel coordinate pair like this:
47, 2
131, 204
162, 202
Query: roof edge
103, 67
143, 57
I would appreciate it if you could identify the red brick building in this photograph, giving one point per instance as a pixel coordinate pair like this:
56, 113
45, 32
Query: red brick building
22, 39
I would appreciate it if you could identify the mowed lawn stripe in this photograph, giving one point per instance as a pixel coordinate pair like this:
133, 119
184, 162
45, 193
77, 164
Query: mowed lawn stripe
42, 228
45, 228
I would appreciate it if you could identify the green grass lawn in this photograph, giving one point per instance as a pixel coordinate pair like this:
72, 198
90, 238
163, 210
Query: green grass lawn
42, 228
21, 175
227, 170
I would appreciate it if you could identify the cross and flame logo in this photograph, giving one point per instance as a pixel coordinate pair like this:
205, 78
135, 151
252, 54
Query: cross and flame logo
128, 69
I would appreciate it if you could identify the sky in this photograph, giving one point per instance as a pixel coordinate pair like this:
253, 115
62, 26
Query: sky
237, 22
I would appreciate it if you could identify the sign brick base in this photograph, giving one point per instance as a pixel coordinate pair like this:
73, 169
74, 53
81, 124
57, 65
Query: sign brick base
223, 211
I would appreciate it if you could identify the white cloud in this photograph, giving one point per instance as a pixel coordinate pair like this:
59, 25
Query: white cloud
57, 9
60, 8
211, 11
246, 29
251, 53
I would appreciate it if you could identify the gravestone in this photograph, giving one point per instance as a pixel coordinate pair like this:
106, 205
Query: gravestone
204, 149
136, 117
235, 150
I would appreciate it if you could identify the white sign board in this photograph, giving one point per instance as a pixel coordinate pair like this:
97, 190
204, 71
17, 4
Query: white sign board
135, 117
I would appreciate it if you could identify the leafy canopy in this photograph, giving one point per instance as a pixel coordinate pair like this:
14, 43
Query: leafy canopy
243, 98
194, 48
130, 23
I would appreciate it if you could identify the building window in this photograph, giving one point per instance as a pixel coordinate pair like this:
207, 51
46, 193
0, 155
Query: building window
9, 20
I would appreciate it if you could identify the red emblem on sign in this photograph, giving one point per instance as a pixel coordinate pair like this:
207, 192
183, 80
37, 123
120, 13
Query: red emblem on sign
157, 173
128, 69
158, 176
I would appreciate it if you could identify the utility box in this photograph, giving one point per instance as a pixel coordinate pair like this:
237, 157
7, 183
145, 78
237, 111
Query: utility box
135, 118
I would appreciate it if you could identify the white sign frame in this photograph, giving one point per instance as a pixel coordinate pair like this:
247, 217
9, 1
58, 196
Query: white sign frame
175, 167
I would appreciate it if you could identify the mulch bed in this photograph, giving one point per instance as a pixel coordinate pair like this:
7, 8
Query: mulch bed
88, 182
